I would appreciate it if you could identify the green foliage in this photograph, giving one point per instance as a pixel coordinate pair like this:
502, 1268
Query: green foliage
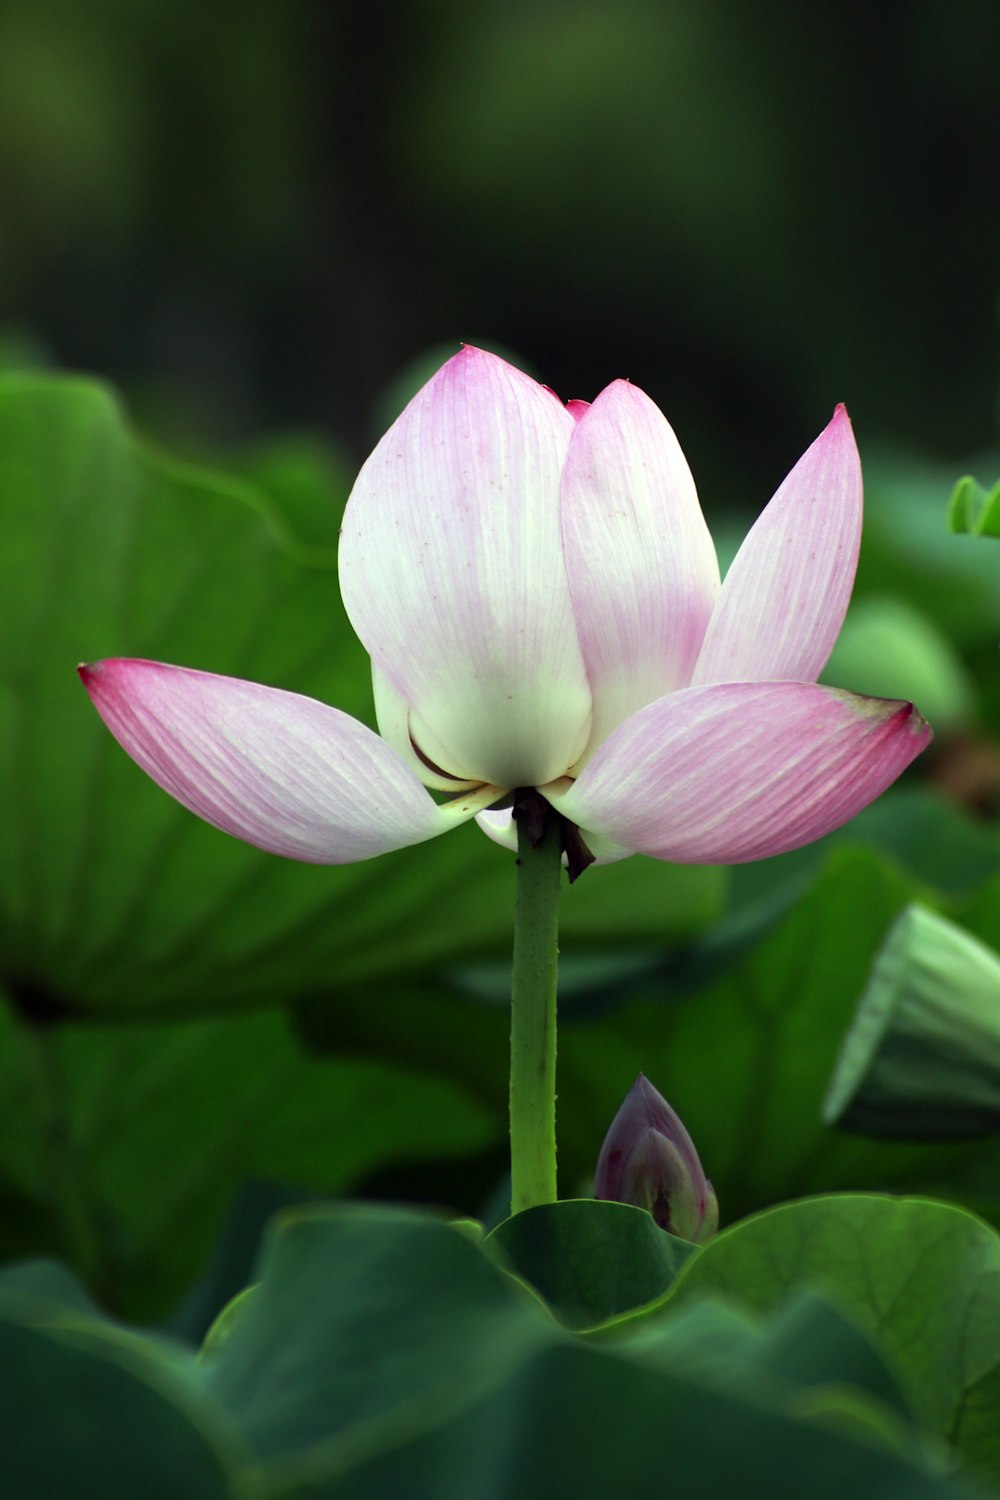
589, 1260
806, 1343
921, 1279
163, 1123
85, 1405
745, 1057
889, 649
908, 554
383, 1352
974, 509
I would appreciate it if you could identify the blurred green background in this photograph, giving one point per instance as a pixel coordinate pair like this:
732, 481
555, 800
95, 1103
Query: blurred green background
257, 214
264, 225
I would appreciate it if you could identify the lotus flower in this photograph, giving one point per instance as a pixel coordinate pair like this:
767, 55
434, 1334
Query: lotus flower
540, 598
649, 1159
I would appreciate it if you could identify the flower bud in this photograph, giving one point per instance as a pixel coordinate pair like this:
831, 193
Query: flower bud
921, 1060
649, 1159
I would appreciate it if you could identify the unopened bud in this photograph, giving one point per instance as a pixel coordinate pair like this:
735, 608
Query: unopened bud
648, 1159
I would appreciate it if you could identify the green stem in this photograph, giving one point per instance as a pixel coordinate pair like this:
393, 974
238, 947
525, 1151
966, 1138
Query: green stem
533, 1005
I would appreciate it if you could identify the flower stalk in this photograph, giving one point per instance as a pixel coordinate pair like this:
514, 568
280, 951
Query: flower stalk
533, 1003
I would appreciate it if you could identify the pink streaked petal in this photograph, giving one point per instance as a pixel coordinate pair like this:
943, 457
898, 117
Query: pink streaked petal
642, 568
452, 572
733, 772
785, 596
500, 827
281, 771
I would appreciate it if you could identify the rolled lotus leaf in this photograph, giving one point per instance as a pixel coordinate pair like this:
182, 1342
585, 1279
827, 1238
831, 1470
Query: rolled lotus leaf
921, 1060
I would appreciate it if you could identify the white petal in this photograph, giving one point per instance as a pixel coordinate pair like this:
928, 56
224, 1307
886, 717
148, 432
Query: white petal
452, 572
393, 716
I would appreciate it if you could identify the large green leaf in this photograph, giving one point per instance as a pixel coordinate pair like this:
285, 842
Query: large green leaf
922, 1279
307, 477
383, 1354
808, 1345
581, 1422
85, 1413
367, 1325
131, 1140
590, 1260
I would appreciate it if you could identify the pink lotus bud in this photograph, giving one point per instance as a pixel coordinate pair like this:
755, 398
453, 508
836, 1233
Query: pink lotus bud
649, 1159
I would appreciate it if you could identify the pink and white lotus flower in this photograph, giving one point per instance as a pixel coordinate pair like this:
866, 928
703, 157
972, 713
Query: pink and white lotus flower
540, 598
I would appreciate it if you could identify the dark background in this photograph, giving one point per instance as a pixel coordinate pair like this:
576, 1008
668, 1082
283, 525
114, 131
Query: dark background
254, 216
